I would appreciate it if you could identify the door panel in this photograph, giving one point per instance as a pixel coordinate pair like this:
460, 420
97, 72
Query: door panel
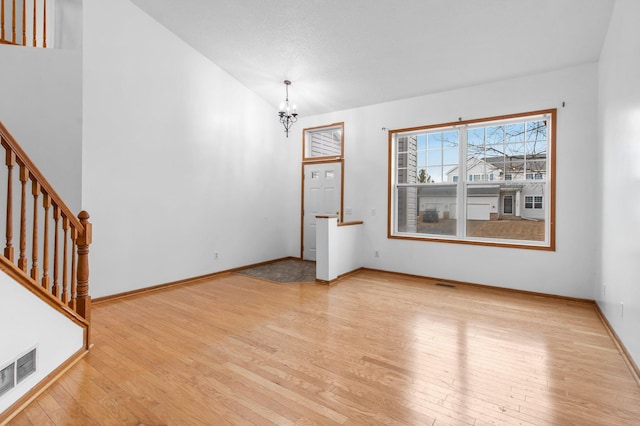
322, 196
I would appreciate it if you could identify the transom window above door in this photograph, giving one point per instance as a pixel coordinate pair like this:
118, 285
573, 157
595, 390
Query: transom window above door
324, 142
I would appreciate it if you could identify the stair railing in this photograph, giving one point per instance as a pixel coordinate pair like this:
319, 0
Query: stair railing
47, 227
23, 22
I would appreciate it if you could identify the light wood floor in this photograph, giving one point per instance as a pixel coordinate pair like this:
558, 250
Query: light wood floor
377, 348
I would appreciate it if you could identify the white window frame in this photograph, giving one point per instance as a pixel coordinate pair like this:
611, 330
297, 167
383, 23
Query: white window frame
467, 179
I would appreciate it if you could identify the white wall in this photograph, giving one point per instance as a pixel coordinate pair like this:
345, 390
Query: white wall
28, 322
41, 105
326, 253
348, 244
68, 24
179, 161
339, 248
366, 183
619, 148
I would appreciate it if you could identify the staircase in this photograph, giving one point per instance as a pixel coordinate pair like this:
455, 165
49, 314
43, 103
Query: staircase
46, 247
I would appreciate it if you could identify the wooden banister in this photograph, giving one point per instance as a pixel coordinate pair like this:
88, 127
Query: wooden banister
49, 210
30, 26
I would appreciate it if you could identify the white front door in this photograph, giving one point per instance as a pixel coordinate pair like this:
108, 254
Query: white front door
322, 196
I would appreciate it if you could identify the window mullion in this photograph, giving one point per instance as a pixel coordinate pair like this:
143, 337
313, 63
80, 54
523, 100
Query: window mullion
462, 184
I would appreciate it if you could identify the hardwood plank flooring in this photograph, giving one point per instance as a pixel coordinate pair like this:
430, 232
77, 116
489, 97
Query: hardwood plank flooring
377, 348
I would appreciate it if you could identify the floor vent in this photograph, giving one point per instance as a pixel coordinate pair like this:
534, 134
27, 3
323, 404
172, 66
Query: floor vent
18, 370
446, 285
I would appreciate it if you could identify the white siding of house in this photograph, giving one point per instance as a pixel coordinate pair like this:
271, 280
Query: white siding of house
532, 213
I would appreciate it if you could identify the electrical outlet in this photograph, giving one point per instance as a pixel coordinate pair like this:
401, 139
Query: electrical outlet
216, 256
621, 309
376, 254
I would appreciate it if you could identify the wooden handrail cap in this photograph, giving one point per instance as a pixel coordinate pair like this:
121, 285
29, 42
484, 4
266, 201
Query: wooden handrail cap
87, 235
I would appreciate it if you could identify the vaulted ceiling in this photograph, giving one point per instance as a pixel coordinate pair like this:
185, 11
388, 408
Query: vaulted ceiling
342, 54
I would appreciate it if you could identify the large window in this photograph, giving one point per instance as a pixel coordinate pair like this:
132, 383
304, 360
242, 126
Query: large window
487, 181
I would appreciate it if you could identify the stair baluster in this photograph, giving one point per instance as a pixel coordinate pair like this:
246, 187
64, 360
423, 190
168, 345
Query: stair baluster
46, 280
35, 190
56, 258
74, 272
10, 162
24, 176
65, 258
24, 22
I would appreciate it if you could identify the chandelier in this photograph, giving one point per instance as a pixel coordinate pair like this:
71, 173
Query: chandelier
288, 115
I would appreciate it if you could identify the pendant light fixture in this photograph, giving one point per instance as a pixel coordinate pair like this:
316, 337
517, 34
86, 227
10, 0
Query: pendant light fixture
288, 114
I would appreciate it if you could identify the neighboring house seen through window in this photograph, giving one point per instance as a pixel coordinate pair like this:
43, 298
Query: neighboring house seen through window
484, 181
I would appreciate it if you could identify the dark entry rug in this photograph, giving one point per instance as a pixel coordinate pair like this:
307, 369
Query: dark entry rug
284, 271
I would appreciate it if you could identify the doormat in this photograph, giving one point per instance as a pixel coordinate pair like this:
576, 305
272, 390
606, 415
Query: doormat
284, 271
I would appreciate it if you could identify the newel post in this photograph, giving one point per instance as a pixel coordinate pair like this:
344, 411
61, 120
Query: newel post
83, 300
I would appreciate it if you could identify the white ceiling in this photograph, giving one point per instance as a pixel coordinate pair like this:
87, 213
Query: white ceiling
342, 54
